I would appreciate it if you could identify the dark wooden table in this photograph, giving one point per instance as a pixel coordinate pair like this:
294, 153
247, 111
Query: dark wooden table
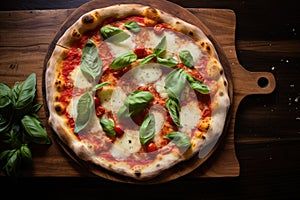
267, 127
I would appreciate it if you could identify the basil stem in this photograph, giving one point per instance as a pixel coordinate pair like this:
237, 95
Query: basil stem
108, 127
147, 59
186, 58
123, 61
147, 130
135, 103
98, 86
85, 109
90, 64
198, 85
179, 139
113, 34
133, 26
170, 62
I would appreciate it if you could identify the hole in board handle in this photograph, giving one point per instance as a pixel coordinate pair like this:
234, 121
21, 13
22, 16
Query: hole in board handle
263, 82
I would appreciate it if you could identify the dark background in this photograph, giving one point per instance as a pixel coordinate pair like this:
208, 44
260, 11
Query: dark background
267, 128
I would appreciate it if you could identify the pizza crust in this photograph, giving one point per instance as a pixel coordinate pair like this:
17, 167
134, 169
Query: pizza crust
84, 150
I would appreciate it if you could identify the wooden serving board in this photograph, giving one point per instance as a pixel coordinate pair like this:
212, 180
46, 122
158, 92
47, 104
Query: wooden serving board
25, 37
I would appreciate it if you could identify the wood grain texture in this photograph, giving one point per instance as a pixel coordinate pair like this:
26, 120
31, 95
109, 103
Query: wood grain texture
29, 49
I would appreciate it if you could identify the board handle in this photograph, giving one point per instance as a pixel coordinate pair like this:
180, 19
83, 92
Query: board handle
247, 82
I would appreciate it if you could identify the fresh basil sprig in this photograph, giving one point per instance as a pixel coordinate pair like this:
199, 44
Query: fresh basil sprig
90, 64
158, 50
147, 130
198, 85
186, 58
108, 127
20, 126
123, 61
133, 26
179, 139
135, 103
113, 34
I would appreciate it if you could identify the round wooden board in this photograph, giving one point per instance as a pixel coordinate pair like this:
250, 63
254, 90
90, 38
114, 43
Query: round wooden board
180, 169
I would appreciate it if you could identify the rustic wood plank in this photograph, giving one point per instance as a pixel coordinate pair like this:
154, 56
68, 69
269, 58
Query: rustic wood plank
28, 56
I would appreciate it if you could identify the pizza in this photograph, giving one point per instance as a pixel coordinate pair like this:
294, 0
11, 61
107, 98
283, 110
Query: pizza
135, 90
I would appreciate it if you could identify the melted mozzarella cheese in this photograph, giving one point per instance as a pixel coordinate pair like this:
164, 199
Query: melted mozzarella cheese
190, 115
175, 43
117, 49
159, 116
72, 107
160, 87
117, 99
128, 144
79, 79
145, 74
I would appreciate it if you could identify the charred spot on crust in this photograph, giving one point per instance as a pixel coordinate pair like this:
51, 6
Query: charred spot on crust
221, 93
152, 10
75, 33
158, 165
225, 83
59, 108
191, 33
152, 13
208, 48
137, 173
87, 19
221, 71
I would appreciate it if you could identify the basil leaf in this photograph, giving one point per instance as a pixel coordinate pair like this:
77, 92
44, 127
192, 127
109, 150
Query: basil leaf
173, 108
186, 58
179, 139
5, 95
160, 47
113, 34
90, 63
24, 93
25, 153
123, 61
108, 127
147, 130
133, 26
198, 85
34, 129
13, 161
147, 59
98, 86
175, 82
5, 122
85, 109
171, 62
135, 103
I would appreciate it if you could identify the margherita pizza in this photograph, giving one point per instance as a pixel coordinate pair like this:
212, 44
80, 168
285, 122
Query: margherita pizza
135, 90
